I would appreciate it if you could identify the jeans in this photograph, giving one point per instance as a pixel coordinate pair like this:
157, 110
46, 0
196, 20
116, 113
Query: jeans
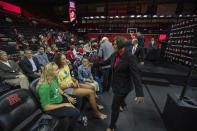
72, 113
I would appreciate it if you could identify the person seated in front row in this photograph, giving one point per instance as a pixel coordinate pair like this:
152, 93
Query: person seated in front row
11, 73
53, 99
71, 86
42, 56
30, 65
85, 75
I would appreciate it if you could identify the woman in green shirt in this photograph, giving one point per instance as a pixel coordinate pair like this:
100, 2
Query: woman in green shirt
53, 100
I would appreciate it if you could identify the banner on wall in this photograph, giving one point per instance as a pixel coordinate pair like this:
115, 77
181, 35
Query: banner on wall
10, 7
72, 11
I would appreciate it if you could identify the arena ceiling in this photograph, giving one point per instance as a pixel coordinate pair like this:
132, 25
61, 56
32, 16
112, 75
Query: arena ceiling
57, 10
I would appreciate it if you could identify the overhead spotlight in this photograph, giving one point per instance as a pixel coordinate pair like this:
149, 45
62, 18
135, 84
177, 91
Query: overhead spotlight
102, 17
122, 16
132, 16
87, 17
145, 16
154, 16
180, 15
117, 16
161, 16
97, 17
188, 15
194, 15
91, 17
138, 16
111, 17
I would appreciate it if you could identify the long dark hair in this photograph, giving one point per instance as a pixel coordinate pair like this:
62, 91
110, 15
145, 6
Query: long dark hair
57, 60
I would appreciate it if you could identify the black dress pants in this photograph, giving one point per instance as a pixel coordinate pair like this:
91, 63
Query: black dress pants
106, 79
118, 100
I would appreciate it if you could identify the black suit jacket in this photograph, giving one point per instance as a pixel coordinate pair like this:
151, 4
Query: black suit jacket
27, 68
125, 74
7, 72
139, 53
141, 41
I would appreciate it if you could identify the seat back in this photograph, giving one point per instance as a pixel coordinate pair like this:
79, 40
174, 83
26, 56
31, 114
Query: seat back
32, 88
18, 108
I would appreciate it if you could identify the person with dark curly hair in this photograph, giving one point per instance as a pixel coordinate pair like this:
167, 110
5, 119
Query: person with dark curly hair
125, 77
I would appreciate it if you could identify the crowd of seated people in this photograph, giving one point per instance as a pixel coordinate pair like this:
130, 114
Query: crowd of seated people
65, 101
57, 89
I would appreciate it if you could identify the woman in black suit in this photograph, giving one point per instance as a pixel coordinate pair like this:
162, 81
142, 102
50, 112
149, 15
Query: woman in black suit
125, 74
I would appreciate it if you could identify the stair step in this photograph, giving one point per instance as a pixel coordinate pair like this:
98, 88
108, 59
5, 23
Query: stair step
12, 43
2, 35
6, 39
155, 81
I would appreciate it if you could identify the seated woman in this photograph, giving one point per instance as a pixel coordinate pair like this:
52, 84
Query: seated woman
71, 86
52, 98
85, 75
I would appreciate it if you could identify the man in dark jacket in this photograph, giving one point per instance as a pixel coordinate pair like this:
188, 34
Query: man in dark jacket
125, 74
137, 51
11, 73
141, 39
30, 65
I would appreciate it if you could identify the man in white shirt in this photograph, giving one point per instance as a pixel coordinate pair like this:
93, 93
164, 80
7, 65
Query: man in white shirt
30, 65
11, 73
137, 51
152, 43
42, 56
105, 51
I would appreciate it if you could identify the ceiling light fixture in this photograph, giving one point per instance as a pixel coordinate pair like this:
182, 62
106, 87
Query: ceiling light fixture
138, 16
154, 16
132, 16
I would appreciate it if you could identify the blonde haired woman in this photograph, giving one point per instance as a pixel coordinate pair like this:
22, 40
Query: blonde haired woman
53, 100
